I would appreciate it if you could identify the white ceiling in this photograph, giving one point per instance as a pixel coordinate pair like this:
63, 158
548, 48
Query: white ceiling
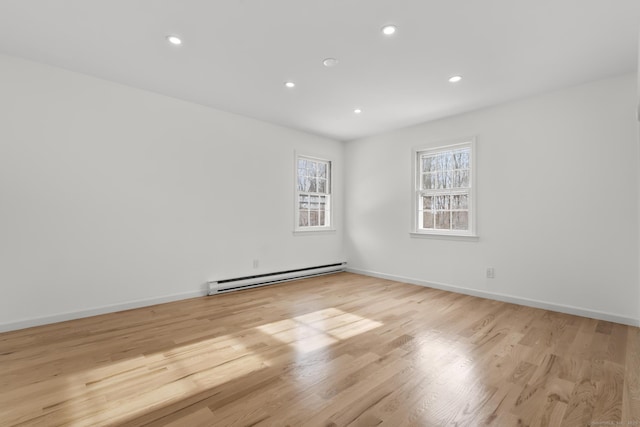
237, 54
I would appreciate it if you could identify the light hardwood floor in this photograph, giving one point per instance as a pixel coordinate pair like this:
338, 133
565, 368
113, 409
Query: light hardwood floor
334, 350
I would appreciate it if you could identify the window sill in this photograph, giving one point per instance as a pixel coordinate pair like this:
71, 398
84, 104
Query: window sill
441, 236
313, 232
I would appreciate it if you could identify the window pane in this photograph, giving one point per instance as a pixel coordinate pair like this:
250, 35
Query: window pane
427, 203
304, 201
460, 221
461, 179
304, 218
449, 163
322, 218
427, 219
312, 168
313, 218
428, 164
443, 220
445, 180
461, 159
309, 184
442, 161
429, 181
315, 202
302, 164
300, 182
460, 201
456, 159
457, 179
322, 185
442, 203
439, 162
322, 170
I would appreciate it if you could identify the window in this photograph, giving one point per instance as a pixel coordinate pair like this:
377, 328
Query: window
313, 194
444, 190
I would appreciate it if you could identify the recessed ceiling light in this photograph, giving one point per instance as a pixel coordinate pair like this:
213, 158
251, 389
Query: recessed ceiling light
455, 79
174, 40
330, 62
388, 30
290, 85
357, 111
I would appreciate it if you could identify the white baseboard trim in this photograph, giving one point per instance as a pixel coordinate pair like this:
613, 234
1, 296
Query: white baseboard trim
112, 308
562, 308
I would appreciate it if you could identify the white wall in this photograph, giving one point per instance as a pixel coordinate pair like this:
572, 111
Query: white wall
115, 196
557, 203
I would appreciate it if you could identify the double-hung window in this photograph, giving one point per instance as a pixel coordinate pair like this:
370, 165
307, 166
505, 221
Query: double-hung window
444, 190
313, 194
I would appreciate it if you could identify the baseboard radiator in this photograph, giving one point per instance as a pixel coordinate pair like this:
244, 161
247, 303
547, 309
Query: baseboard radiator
239, 283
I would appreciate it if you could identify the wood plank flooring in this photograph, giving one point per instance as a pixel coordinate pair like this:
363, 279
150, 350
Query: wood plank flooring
338, 350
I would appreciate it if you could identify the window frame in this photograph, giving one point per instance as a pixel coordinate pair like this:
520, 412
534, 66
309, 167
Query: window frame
329, 218
417, 191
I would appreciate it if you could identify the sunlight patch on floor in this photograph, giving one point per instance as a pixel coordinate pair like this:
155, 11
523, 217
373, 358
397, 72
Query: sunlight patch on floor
128, 385
318, 329
159, 380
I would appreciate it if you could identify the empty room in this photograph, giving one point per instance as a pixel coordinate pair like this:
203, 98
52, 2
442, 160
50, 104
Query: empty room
319, 213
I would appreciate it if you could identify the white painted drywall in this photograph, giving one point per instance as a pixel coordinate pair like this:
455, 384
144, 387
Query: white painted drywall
113, 197
557, 202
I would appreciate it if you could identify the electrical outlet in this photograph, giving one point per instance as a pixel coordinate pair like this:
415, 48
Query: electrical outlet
256, 263
491, 273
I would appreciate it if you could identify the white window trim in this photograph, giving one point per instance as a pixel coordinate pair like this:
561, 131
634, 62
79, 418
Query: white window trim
297, 229
470, 234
